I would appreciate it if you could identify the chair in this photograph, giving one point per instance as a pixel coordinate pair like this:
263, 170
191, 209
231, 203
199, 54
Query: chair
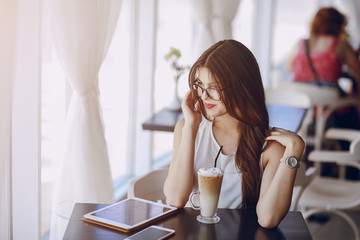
353, 154
329, 194
295, 100
149, 186
326, 100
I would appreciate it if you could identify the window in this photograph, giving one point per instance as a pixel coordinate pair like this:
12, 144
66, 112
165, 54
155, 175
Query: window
114, 94
292, 21
174, 29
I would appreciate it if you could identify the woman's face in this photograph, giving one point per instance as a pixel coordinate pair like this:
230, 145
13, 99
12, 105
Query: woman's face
208, 91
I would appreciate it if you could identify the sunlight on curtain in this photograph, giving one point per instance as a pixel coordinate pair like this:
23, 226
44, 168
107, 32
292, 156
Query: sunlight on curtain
215, 18
82, 32
114, 100
224, 13
114, 95
243, 23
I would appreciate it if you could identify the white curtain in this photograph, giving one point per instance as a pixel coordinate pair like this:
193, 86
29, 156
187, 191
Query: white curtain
213, 21
82, 31
8, 29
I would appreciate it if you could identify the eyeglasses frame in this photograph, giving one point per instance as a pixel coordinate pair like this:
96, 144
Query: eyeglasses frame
206, 90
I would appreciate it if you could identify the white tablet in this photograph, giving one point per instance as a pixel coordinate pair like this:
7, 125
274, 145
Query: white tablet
129, 214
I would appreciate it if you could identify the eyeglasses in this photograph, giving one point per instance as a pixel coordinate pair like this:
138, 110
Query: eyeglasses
212, 93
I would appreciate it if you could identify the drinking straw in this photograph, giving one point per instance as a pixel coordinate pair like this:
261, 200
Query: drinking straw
217, 156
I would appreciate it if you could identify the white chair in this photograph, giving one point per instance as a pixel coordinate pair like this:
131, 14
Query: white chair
326, 100
329, 194
353, 154
292, 98
149, 186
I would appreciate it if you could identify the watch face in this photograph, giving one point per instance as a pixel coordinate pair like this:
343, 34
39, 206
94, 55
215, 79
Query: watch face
292, 162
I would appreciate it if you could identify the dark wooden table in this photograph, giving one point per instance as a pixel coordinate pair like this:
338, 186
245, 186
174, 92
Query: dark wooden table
234, 224
286, 117
165, 120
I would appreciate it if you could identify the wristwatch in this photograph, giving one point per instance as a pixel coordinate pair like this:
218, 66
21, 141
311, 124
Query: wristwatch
291, 162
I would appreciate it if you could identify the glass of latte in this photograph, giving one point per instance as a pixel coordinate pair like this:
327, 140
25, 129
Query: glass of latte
210, 180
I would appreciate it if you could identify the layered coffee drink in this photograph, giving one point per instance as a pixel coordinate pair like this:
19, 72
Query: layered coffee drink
210, 180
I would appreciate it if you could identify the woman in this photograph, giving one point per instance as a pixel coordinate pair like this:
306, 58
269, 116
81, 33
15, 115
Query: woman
328, 50
226, 107
329, 53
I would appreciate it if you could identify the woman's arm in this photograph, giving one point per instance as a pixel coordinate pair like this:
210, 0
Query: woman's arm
179, 182
278, 179
348, 57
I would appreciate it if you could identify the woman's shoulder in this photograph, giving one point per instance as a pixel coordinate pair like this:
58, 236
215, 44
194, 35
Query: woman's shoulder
272, 150
272, 146
203, 124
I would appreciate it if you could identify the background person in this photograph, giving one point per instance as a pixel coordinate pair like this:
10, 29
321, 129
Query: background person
330, 53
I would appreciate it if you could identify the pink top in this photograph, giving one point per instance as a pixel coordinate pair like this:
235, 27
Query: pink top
327, 65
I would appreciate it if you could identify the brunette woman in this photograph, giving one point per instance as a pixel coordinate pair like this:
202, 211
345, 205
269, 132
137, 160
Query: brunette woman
226, 107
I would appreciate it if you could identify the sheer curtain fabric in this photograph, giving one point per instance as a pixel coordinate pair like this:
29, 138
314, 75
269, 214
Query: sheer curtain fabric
214, 19
82, 31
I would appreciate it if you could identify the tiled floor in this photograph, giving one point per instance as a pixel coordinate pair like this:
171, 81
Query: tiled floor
334, 228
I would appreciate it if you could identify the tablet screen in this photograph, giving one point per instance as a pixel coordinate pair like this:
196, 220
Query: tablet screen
130, 212
152, 233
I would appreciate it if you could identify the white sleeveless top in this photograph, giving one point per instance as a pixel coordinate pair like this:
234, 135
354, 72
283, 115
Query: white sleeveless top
206, 149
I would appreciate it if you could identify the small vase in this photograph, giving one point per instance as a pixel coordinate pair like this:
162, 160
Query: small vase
175, 104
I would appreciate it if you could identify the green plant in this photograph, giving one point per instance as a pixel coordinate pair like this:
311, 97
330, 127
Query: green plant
173, 57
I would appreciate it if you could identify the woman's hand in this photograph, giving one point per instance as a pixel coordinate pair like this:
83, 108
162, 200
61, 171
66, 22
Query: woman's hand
283, 136
191, 110
290, 140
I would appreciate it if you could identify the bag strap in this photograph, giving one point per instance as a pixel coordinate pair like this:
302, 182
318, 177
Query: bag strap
307, 51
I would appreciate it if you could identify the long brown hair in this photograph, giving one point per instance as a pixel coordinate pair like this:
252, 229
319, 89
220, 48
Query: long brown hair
234, 68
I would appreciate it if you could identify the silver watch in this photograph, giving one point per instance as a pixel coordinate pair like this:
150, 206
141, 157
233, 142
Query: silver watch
291, 162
